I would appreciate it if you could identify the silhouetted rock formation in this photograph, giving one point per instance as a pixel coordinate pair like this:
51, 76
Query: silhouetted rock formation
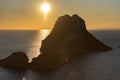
48, 62
17, 61
68, 39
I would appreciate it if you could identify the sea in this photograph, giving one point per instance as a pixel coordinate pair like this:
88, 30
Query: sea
99, 66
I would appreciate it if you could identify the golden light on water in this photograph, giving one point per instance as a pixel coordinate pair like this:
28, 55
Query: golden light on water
44, 33
34, 50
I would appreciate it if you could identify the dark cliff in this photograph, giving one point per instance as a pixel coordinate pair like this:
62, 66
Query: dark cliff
69, 39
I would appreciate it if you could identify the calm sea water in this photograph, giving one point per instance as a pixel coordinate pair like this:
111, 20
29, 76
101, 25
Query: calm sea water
102, 66
26, 41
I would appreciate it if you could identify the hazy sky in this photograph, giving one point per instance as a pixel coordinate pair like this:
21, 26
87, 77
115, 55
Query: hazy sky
25, 14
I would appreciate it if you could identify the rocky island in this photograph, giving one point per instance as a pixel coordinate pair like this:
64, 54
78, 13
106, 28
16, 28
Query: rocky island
17, 61
68, 40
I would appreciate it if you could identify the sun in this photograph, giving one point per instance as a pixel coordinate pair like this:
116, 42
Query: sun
45, 7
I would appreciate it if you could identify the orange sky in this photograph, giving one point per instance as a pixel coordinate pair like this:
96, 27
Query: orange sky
25, 14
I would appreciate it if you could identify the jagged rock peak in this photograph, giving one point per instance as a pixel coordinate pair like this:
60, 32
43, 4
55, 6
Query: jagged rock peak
76, 17
78, 21
67, 23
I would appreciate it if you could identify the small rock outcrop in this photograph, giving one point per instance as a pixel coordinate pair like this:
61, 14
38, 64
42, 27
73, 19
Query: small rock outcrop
48, 62
16, 61
68, 39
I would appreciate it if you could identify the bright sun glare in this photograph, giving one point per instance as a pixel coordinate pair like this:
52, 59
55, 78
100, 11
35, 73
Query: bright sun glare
45, 7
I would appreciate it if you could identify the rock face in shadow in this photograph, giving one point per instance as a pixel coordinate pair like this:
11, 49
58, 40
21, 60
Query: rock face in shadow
16, 61
69, 39
48, 62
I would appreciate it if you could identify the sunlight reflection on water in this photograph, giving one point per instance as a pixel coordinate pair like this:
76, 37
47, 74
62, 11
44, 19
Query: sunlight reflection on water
44, 33
33, 50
